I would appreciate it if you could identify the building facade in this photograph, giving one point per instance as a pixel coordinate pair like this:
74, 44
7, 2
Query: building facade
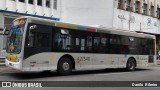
138, 15
37, 8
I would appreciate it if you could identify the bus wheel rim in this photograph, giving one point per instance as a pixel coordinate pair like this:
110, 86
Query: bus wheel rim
65, 66
131, 65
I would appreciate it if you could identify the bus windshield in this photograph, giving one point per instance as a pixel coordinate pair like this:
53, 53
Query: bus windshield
14, 41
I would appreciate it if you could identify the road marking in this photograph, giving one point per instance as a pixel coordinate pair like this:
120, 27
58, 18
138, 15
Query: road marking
111, 74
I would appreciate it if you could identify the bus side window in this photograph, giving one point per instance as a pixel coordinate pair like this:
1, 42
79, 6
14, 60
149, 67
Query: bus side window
82, 44
89, 43
40, 39
60, 45
37, 37
77, 46
30, 40
30, 36
62, 40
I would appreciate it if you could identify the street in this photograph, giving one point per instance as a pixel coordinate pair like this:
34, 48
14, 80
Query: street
143, 74
140, 74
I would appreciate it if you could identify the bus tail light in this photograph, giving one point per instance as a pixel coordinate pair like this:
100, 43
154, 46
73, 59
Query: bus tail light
33, 65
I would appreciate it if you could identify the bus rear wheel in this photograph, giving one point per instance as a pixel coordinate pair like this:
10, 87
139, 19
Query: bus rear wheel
131, 65
64, 66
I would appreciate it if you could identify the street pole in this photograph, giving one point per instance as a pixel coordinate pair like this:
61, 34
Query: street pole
130, 15
140, 26
129, 21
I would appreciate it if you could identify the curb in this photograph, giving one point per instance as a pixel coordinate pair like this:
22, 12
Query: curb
2, 64
157, 65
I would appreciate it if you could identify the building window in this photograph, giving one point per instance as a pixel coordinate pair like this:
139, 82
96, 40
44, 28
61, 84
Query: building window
145, 9
158, 13
128, 8
152, 11
21, 0
48, 3
55, 4
137, 6
120, 4
30, 1
39, 2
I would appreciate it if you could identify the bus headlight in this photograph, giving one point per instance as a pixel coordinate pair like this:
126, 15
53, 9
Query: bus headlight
11, 57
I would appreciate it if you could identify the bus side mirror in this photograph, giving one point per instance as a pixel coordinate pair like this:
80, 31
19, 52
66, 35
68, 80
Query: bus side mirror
32, 28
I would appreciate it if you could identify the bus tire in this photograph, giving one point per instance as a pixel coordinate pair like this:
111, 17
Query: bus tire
64, 66
131, 64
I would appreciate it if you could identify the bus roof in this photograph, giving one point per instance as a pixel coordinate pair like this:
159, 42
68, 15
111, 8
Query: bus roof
86, 28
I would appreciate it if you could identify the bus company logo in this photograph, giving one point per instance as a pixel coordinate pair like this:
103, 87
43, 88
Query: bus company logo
6, 84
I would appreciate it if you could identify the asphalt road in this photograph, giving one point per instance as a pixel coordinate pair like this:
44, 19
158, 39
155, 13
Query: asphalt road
143, 74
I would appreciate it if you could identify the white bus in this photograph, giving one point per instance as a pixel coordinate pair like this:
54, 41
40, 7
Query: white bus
36, 44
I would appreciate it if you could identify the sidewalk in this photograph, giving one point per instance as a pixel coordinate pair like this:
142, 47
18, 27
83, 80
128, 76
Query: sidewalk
2, 63
5, 69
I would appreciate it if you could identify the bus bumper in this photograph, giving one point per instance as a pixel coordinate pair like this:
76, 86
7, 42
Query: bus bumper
15, 65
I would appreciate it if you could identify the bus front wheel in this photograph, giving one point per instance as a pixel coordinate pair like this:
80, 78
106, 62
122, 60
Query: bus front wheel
131, 65
64, 66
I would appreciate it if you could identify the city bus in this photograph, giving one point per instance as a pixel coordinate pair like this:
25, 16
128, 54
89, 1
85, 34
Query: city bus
36, 44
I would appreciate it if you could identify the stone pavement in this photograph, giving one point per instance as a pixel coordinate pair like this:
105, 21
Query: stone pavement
5, 69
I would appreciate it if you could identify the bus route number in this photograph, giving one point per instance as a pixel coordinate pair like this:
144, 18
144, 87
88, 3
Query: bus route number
82, 58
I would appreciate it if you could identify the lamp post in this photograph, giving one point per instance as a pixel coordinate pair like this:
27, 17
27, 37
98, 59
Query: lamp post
130, 8
140, 26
